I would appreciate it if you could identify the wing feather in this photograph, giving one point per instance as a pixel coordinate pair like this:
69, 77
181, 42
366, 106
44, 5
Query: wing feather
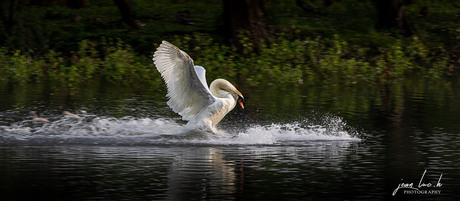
201, 73
188, 92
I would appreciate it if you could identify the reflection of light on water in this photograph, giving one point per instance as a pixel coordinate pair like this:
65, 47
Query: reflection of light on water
92, 129
224, 170
216, 176
178, 172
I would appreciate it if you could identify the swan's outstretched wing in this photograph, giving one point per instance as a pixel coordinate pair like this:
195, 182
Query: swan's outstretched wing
201, 73
187, 92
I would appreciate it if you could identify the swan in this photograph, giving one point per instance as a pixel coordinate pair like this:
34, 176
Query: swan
188, 92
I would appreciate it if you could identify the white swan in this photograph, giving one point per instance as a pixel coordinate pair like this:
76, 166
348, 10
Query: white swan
188, 92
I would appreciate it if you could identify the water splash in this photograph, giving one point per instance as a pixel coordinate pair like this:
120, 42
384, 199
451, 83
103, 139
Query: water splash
92, 129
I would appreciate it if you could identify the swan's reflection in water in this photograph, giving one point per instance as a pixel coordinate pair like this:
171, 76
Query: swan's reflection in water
237, 172
171, 172
201, 173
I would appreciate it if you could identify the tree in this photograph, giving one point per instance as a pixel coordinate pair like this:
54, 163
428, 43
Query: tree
76, 3
7, 13
246, 16
69, 3
305, 6
127, 14
390, 14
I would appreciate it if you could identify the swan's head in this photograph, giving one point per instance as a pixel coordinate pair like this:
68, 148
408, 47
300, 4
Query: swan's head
221, 88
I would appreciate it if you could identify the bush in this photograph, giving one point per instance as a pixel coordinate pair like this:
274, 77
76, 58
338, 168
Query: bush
117, 62
284, 62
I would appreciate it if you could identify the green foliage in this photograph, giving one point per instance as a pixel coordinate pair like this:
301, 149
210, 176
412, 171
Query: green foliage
285, 62
318, 61
218, 59
110, 59
336, 44
15, 66
86, 59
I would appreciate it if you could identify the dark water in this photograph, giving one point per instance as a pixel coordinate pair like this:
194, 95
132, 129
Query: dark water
310, 143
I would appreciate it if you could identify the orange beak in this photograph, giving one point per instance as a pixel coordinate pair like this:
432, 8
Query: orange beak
240, 101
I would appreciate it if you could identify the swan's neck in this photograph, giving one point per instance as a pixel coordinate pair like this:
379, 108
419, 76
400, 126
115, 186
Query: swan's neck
220, 88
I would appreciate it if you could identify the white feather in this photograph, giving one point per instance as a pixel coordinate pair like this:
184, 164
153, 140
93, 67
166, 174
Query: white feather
201, 72
188, 93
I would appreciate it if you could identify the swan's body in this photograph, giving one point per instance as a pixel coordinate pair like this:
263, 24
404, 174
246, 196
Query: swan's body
188, 92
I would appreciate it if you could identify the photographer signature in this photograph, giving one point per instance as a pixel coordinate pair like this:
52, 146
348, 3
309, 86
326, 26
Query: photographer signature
421, 184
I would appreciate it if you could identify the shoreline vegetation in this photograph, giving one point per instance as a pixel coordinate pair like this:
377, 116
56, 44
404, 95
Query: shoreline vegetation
317, 48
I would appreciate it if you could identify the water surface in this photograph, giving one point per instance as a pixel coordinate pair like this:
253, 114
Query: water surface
334, 142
